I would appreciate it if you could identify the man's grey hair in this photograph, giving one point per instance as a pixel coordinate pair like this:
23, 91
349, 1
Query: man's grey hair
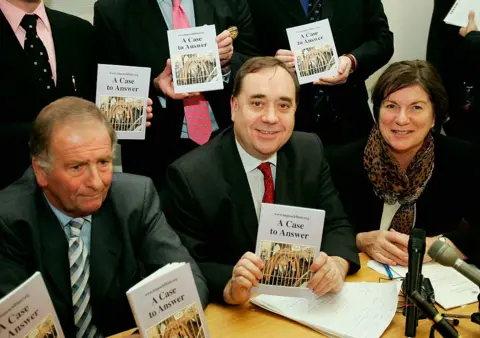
58, 113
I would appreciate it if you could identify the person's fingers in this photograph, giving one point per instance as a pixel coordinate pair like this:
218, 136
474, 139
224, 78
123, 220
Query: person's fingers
327, 283
319, 276
241, 271
149, 102
225, 50
243, 282
397, 237
284, 52
384, 258
471, 18
254, 259
227, 42
285, 58
342, 64
222, 36
398, 255
319, 262
250, 266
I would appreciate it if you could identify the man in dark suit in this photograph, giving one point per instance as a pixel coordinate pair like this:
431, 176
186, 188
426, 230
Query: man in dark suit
134, 32
214, 193
71, 210
61, 63
335, 108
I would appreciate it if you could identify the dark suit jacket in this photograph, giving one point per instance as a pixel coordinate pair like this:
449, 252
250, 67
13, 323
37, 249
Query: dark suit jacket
359, 27
209, 203
134, 33
448, 198
129, 235
22, 101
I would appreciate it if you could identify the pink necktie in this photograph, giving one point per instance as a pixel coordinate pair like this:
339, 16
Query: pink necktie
268, 196
199, 125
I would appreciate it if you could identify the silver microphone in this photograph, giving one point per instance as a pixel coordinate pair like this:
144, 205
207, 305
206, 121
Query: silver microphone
444, 254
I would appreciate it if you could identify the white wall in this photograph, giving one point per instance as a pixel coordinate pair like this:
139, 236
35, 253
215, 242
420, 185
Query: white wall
409, 21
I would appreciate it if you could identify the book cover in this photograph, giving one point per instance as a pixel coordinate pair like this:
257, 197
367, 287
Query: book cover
122, 94
314, 51
28, 311
458, 15
166, 304
195, 59
288, 242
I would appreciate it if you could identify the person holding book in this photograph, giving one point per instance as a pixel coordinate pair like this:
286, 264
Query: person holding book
406, 174
334, 107
90, 232
134, 33
213, 194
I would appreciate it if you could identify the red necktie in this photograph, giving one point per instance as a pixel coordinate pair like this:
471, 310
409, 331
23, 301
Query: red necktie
199, 125
268, 181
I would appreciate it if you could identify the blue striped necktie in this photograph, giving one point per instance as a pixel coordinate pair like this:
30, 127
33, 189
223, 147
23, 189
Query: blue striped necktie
305, 5
79, 275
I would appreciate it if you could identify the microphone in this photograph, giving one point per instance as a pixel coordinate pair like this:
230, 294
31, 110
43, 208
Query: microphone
441, 324
414, 278
444, 254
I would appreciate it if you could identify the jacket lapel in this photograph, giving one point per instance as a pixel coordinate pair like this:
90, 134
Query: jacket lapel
328, 9
106, 247
54, 248
60, 42
284, 189
204, 13
239, 190
295, 9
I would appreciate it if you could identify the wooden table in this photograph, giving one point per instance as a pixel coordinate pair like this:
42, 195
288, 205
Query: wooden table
251, 321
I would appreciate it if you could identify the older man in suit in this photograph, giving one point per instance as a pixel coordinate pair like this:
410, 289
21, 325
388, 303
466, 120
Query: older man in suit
71, 210
45, 55
134, 32
336, 108
214, 193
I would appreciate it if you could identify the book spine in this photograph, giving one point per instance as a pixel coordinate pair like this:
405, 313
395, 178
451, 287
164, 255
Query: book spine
135, 316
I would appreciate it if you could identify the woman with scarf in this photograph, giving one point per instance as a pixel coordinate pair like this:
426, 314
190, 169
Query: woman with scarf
406, 175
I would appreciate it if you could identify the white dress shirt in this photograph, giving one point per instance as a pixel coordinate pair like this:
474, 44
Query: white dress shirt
255, 176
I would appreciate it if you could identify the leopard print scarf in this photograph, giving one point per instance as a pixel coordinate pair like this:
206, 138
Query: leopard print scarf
393, 185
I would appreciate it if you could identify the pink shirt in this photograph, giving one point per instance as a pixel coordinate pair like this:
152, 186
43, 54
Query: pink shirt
14, 16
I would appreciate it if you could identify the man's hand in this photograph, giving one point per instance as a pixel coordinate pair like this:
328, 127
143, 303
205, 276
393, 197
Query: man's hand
149, 112
471, 26
286, 56
344, 67
387, 247
225, 47
246, 274
164, 82
330, 273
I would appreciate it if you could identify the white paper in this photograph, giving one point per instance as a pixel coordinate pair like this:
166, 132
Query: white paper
122, 94
288, 241
458, 15
314, 51
195, 59
451, 288
359, 310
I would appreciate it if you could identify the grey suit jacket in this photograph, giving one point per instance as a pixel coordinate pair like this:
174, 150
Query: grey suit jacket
130, 238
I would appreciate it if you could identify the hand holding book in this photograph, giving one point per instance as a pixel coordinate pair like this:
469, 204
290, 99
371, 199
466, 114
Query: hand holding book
164, 83
471, 26
246, 274
344, 68
225, 47
287, 57
330, 273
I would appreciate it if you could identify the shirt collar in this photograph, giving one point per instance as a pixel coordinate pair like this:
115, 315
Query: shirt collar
14, 15
251, 163
62, 218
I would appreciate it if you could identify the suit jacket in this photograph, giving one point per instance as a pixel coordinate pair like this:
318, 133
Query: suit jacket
448, 200
359, 27
22, 101
134, 33
209, 203
129, 235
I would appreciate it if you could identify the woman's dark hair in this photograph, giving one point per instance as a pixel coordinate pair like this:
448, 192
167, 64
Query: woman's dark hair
403, 74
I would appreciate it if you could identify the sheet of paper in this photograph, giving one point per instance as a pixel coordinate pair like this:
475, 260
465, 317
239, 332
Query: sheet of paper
360, 310
451, 288
458, 15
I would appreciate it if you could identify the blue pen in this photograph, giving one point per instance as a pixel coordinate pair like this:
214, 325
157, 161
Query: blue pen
389, 272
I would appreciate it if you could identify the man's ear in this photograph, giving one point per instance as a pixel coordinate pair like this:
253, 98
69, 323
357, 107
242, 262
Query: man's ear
233, 107
39, 171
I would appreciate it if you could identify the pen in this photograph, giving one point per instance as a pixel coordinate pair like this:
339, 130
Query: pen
389, 272
73, 82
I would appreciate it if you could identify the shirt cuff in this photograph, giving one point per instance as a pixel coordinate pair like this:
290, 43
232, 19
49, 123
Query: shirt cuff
226, 77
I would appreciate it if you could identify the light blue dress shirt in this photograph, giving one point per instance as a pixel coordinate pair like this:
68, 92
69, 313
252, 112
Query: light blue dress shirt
64, 220
166, 7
